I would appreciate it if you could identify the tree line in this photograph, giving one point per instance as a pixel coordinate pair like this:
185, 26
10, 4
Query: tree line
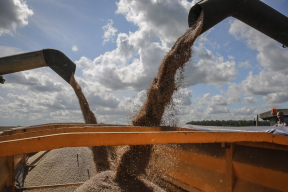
230, 123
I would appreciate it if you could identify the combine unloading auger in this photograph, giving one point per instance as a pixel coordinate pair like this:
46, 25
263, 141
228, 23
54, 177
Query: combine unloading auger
252, 12
52, 58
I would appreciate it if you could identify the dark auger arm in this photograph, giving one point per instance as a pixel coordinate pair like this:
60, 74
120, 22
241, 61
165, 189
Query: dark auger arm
252, 12
52, 58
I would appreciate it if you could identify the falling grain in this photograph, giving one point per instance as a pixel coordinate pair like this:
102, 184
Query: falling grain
134, 161
100, 154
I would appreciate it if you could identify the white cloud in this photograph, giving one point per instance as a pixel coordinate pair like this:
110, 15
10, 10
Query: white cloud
245, 64
270, 83
164, 19
270, 54
74, 48
250, 99
130, 66
231, 57
205, 100
265, 82
277, 98
219, 100
216, 100
33, 80
84, 62
134, 63
13, 14
109, 32
269, 106
7, 51
244, 112
209, 69
41, 96
216, 110
234, 92
232, 95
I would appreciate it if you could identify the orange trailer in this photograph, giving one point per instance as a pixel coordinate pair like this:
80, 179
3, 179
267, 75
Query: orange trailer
201, 160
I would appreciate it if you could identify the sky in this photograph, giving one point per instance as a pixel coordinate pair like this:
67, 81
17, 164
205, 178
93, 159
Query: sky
235, 71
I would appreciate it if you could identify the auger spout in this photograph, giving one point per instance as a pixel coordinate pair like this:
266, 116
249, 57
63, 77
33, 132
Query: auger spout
252, 12
52, 58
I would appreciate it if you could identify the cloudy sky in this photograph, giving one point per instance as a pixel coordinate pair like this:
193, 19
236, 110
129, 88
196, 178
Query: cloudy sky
235, 72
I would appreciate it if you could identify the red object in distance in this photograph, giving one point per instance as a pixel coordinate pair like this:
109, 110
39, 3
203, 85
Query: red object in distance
274, 111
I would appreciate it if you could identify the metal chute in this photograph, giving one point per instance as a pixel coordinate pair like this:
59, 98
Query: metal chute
52, 58
252, 12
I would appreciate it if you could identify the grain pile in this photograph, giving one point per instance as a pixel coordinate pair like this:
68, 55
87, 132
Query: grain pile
104, 182
132, 165
60, 166
100, 154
